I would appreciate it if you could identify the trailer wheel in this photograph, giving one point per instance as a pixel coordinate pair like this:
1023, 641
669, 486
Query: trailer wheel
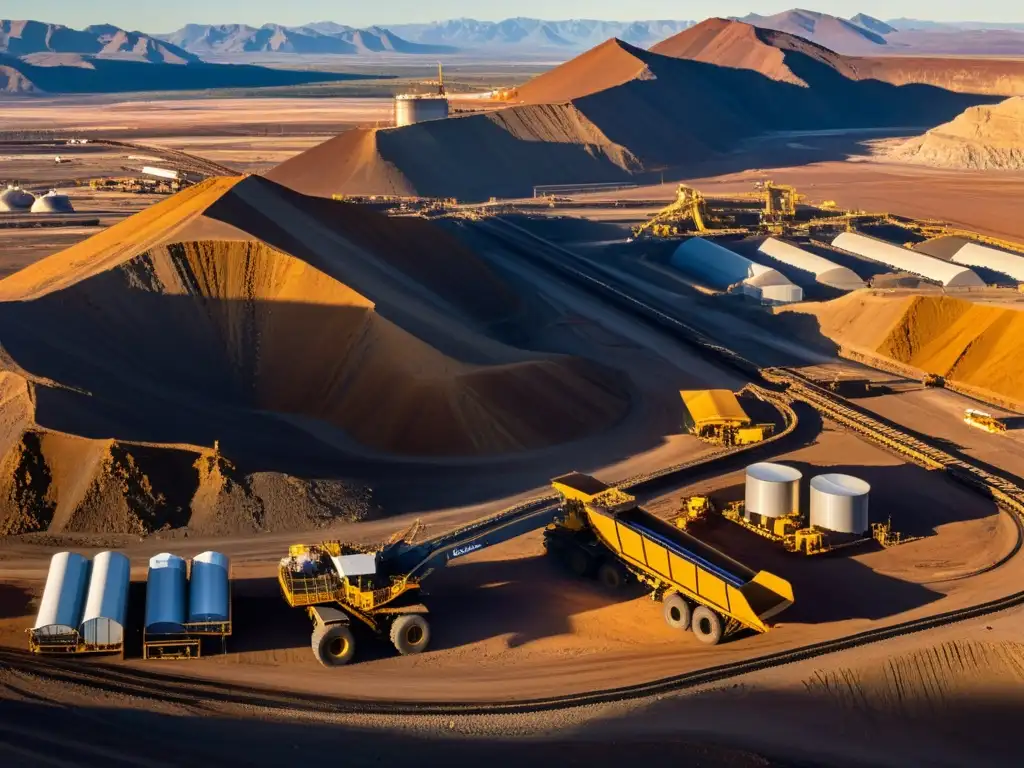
707, 625
579, 562
333, 644
676, 611
410, 634
612, 575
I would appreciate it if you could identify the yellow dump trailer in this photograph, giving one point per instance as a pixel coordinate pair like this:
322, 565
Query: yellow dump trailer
701, 588
985, 421
716, 415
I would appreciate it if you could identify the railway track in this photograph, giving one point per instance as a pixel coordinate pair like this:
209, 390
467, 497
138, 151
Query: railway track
783, 388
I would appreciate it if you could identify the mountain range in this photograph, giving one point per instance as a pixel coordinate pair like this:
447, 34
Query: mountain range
864, 35
574, 34
321, 38
28, 38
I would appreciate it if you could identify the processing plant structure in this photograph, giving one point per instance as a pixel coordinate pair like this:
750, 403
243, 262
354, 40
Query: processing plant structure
595, 530
771, 508
716, 416
413, 108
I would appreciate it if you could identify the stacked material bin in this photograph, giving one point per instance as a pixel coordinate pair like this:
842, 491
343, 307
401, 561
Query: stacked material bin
166, 595
106, 605
60, 610
208, 588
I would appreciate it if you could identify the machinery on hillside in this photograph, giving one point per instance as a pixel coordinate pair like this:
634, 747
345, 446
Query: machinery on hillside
595, 530
984, 421
716, 416
780, 202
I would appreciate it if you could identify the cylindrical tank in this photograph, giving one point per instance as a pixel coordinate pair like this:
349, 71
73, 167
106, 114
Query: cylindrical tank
165, 594
840, 503
772, 490
208, 588
53, 202
106, 604
413, 108
14, 198
60, 610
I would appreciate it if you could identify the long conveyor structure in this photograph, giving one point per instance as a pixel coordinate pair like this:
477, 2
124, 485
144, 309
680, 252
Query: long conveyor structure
595, 530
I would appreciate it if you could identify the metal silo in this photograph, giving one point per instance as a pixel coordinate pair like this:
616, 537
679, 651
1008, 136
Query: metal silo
772, 490
165, 594
106, 605
412, 108
840, 503
208, 588
60, 610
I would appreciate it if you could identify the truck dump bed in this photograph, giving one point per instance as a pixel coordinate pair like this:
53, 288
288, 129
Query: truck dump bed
697, 571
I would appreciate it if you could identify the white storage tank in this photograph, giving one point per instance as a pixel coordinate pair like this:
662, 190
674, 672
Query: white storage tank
208, 594
411, 108
166, 594
824, 271
53, 202
106, 603
840, 503
772, 490
60, 611
15, 199
906, 260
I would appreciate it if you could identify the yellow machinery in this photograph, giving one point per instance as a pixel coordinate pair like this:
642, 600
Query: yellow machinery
689, 214
791, 531
700, 588
984, 421
780, 203
693, 509
715, 415
595, 530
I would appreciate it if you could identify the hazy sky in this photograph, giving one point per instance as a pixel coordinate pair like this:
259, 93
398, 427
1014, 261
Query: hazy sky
167, 15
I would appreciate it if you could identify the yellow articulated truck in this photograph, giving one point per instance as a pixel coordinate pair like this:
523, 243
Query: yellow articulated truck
596, 530
700, 588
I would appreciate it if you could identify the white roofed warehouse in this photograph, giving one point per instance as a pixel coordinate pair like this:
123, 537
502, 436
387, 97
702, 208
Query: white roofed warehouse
723, 269
906, 260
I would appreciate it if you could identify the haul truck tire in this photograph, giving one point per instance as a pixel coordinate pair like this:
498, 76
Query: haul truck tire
676, 611
410, 634
707, 625
612, 575
579, 562
333, 645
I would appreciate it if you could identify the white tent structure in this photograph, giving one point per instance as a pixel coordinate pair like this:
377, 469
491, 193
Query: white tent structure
974, 255
824, 271
906, 260
723, 269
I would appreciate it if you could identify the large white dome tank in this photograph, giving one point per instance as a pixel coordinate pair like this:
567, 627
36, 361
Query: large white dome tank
772, 490
840, 503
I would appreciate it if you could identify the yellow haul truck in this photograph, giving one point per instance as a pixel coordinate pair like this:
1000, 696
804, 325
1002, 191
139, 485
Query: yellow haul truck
700, 588
594, 529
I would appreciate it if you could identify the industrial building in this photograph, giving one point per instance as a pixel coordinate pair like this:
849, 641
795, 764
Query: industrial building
725, 270
53, 202
974, 255
413, 108
906, 260
14, 199
824, 271
83, 609
186, 603
716, 415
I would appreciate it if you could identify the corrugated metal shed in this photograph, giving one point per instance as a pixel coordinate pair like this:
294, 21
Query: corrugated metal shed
974, 255
713, 406
824, 271
106, 604
60, 611
906, 260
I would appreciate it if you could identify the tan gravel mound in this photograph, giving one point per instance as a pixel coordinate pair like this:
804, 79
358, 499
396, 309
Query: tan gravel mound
978, 345
982, 138
611, 63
